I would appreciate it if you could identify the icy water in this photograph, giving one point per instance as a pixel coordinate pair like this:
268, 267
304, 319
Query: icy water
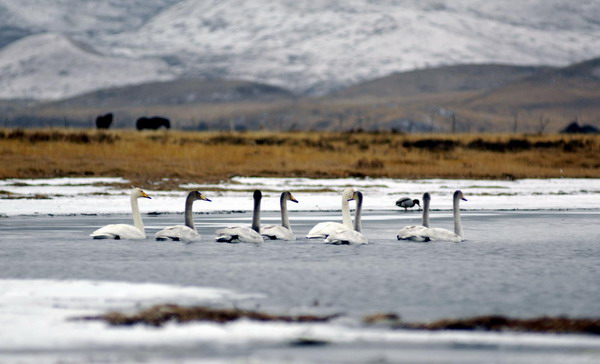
515, 263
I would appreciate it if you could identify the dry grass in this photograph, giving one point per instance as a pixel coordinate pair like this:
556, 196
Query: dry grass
547, 324
150, 157
159, 315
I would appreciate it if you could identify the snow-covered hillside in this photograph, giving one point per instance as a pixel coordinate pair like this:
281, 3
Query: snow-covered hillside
51, 66
307, 46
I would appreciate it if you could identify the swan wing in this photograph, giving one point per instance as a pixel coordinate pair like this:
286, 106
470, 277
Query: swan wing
238, 234
349, 237
413, 233
276, 232
324, 229
177, 233
118, 231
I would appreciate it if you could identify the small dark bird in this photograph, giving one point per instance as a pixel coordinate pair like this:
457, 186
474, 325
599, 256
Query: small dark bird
407, 202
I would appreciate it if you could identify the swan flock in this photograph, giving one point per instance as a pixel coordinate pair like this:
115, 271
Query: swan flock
348, 232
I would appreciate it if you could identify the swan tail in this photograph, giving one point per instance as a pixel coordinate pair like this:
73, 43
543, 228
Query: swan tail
105, 236
226, 239
166, 238
419, 239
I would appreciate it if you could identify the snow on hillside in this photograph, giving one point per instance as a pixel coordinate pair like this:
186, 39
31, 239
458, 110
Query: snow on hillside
50, 66
310, 46
324, 45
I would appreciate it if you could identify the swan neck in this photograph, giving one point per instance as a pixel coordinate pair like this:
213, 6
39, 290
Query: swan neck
285, 220
357, 213
256, 216
137, 218
189, 218
458, 230
426, 213
346, 218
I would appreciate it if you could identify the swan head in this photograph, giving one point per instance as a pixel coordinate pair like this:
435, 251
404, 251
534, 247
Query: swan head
257, 195
348, 194
426, 197
458, 195
138, 192
288, 196
197, 195
357, 195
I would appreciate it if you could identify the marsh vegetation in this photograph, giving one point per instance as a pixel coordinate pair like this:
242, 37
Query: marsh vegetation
157, 157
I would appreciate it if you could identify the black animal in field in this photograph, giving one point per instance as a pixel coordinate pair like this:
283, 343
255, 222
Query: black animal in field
575, 128
153, 122
104, 121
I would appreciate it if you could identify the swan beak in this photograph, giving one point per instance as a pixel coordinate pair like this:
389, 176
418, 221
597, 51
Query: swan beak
464, 199
204, 198
353, 197
145, 195
293, 199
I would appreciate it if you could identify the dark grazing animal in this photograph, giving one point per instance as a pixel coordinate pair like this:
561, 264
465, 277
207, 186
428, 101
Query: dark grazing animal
575, 128
104, 121
153, 122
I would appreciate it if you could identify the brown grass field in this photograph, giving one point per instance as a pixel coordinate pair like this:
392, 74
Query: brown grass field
164, 159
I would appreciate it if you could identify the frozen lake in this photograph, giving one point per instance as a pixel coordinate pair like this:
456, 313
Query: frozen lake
533, 260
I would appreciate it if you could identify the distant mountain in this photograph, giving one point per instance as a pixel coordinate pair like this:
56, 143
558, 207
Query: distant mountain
474, 77
462, 98
570, 90
309, 47
177, 93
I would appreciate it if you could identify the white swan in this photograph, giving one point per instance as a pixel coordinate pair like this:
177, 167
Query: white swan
324, 229
351, 236
283, 231
125, 231
185, 232
439, 234
244, 234
413, 232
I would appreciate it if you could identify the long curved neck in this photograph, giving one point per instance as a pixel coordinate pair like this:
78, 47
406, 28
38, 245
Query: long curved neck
426, 213
256, 216
357, 213
346, 218
458, 230
189, 218
285, 220
137, 218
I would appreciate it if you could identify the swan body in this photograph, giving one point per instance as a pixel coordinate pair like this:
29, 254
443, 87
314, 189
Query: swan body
414, 232
324, 229
125, 231
244, 234
439, 234
350, 236
283, 231
185, 232
407, 202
